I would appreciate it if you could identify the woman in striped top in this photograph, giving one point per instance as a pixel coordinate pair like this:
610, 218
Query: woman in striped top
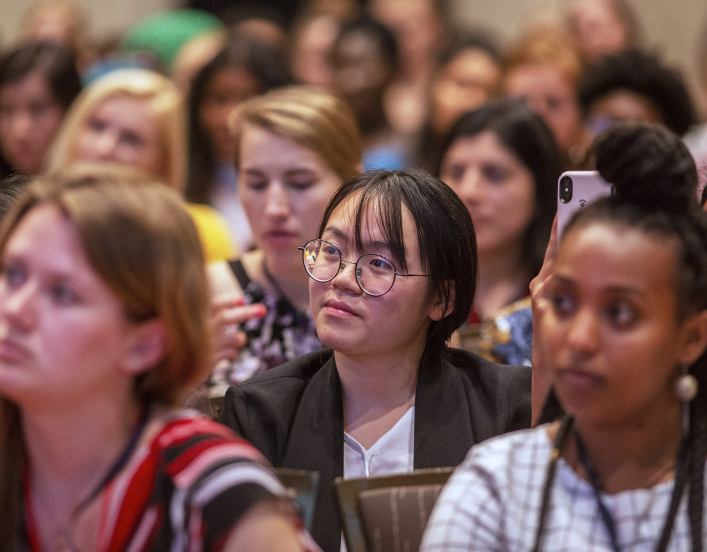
104, 320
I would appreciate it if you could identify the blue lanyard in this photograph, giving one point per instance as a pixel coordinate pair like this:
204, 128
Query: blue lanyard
596, 487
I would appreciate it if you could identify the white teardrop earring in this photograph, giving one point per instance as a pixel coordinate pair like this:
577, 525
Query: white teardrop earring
686, 389
686, 385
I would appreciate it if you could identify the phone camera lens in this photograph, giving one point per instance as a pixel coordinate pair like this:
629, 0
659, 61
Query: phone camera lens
565, 189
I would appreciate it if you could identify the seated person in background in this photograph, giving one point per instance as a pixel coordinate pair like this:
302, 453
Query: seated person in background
243, 69
313, 36
602, 27
136, 117
38, 82
294, 148
104, 320
544, 68
420, 28
503, 163
61, 22
623, 333
364, 62
635, 86
392, 276
468, 75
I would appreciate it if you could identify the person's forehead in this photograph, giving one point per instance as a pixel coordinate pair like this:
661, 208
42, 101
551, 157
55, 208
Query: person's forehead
371, 225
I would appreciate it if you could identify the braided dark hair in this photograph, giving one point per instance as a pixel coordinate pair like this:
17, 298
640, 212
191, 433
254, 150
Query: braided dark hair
656, 181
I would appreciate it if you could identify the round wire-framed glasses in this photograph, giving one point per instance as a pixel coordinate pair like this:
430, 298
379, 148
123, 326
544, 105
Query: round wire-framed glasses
375, 273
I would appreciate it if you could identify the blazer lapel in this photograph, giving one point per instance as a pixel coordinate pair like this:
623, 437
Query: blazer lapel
316, 443
443, 429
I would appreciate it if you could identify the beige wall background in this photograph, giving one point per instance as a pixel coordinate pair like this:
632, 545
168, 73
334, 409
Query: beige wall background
673, 28
104, 17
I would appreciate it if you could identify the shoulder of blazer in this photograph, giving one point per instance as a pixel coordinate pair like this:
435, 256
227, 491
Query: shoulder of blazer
302, 368
501, 390
261, 408
486, 372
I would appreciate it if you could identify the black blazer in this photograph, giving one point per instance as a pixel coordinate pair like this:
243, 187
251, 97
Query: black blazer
294, 415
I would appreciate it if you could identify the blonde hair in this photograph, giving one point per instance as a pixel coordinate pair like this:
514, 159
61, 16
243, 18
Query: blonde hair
309, 117
165, 102
547, 45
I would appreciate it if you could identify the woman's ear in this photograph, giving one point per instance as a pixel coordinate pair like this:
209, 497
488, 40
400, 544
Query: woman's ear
146, 348
694, 338
440, 309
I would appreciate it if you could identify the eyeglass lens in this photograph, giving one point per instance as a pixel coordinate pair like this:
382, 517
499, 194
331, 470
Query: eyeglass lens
375, 274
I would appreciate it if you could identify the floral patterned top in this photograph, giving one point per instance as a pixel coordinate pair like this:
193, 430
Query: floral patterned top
507, 338
283, 334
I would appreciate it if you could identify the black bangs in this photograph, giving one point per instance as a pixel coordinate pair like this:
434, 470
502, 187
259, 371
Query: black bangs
445, 237
382, 204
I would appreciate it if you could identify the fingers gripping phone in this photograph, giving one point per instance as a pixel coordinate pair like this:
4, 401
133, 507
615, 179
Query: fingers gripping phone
576, 190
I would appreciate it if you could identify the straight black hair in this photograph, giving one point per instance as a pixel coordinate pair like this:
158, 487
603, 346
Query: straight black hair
55, 63
530, 140
445, 235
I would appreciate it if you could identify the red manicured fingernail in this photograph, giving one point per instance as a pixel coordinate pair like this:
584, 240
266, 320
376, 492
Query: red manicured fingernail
260, 310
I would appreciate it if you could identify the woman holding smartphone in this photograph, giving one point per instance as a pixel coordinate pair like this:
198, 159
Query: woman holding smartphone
623, 335
391, 277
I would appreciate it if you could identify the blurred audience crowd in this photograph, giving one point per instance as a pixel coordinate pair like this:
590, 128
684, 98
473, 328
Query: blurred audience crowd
497, 120
159, 97
255, 115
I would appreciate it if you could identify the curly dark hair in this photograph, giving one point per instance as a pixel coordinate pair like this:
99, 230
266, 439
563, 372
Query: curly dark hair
644, 74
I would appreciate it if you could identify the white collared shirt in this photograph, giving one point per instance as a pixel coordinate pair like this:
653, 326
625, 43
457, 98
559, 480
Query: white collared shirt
392, 453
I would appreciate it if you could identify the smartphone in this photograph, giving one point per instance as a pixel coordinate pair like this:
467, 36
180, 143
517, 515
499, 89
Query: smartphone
576, 190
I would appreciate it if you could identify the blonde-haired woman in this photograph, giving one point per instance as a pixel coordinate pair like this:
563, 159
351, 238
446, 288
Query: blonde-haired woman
295, 147
104, 320
136, 117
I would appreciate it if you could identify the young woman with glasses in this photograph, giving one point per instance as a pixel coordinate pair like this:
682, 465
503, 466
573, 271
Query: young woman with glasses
623, 335
392, 276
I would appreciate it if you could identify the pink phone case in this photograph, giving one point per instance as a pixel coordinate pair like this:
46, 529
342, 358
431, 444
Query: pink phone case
587, 187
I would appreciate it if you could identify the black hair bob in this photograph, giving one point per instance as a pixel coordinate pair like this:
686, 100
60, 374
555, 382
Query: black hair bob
445, 235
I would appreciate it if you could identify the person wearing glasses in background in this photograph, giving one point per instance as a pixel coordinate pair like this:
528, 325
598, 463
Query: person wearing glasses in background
391, 279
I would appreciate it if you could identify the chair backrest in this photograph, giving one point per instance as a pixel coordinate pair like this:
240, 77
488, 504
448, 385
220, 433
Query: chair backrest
302, 485
388, 513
